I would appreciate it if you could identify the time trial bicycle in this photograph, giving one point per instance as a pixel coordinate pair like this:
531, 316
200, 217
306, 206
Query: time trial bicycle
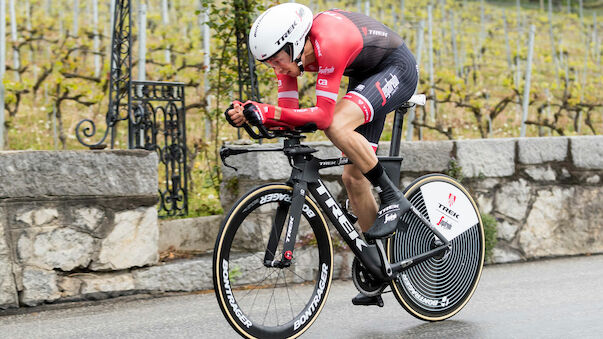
276, 237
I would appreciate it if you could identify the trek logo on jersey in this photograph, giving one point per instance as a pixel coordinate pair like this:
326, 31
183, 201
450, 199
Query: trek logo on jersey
326, 70
379, 33
388, 89
323, 82
359, 88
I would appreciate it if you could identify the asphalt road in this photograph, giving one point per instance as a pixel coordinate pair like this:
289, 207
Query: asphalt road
561, 298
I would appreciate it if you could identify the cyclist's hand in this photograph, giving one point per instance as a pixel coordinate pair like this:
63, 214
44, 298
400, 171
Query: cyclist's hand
234, 114
253, 113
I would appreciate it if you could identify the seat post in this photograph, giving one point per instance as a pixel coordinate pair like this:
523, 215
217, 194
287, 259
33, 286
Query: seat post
394, 149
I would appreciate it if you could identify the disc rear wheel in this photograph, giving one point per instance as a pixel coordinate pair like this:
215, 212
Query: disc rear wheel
439, 287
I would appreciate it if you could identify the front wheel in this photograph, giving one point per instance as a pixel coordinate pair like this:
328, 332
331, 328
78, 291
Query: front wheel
439, 287
260, 301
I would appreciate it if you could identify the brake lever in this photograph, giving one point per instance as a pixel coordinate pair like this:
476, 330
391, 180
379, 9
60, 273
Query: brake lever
225, 152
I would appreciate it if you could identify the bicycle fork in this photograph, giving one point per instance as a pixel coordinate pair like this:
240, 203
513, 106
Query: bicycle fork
280, 218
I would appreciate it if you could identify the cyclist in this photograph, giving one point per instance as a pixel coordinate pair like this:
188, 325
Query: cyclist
382, 75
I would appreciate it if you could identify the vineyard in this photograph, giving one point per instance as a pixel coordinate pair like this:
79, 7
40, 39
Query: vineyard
482, 77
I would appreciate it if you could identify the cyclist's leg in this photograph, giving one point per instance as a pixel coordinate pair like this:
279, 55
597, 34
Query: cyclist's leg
343, 134
391, 86
361, 198
357, 185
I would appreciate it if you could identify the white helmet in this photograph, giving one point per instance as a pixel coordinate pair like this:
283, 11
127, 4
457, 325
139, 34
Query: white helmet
285, 25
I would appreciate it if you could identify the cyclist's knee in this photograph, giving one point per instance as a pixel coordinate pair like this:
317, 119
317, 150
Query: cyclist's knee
333, 132
344, 122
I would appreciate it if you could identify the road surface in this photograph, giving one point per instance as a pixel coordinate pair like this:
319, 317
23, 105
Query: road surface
557, 298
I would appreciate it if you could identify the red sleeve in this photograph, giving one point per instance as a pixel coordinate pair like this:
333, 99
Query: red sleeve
321, 114
288, 97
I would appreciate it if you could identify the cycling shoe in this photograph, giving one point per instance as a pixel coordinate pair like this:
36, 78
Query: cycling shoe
388, 218
364, 300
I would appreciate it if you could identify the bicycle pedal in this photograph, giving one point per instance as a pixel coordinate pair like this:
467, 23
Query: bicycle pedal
363, 300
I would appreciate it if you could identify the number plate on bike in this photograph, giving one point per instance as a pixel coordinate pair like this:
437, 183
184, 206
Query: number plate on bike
448, 208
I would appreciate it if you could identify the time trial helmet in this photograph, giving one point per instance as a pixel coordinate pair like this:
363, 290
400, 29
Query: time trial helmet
284, 26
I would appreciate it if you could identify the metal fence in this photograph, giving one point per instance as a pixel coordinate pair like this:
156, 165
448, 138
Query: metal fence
155, 114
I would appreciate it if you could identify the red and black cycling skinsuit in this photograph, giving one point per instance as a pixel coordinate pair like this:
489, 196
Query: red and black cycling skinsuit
382, 72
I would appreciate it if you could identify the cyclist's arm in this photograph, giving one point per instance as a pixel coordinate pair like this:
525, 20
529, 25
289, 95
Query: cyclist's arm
287, 113
327, 87
321, 114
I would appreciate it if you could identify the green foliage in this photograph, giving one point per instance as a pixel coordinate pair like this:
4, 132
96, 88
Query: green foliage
490, 231
234, 273
204, 201
204, 193
454, 170
232, 185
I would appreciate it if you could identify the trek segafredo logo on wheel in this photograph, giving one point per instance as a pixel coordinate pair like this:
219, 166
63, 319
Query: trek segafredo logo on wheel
231, 299
448, 208
324, 273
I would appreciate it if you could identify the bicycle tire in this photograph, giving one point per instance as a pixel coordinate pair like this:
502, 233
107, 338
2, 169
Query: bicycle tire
241, 279
439, 287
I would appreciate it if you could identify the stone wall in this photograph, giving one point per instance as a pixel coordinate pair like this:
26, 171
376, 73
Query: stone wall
69, 220
83, 225
546, 193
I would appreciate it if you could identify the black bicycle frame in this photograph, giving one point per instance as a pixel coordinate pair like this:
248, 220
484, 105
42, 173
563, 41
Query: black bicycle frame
305, 179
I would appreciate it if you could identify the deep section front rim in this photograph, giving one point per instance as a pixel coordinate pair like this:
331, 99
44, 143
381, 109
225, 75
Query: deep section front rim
260, 301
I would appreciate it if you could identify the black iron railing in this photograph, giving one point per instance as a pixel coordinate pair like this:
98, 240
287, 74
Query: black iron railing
160, 125
155, 114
